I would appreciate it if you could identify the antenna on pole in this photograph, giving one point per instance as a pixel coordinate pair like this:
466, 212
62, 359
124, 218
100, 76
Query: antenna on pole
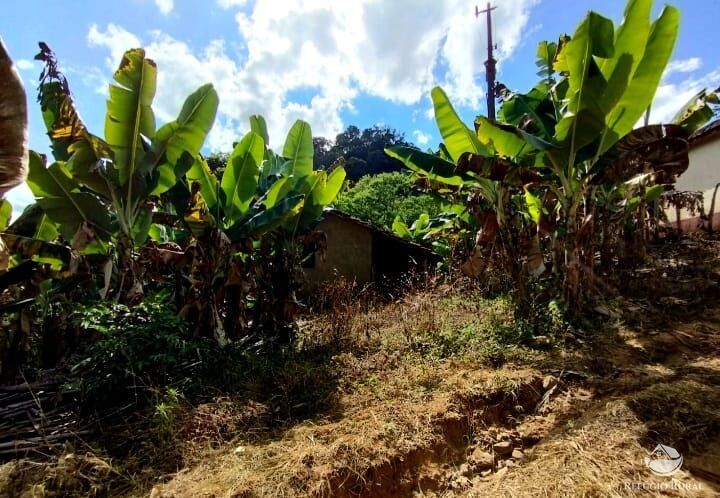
490, 62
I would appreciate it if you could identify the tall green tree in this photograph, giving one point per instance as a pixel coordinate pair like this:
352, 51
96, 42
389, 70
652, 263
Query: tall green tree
360, 151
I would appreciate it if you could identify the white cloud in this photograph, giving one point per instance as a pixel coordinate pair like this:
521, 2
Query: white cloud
683, 66
24, 64
165, 6
228, 4
392, 50
115, 38
670, 97
420, 137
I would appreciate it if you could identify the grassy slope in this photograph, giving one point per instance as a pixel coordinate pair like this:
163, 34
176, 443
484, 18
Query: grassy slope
423, 397
425, 402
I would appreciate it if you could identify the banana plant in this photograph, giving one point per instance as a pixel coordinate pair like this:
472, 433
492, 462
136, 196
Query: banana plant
700, 109
428, 230
531, 175
13, 145
260, 191
245, 228
99, 192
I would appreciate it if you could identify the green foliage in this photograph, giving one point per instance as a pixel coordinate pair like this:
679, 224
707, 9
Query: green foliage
262, 191
700, 109
5, 213
99, 190
145, 356
239, 181
299, 149
433, 231
136, 350
115, 201
380, 198
100, 196
247, 217
536, 185
361, 152
493, 337
457, 137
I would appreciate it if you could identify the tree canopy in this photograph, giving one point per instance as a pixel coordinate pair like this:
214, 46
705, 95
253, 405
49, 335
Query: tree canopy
380, 198
362, 151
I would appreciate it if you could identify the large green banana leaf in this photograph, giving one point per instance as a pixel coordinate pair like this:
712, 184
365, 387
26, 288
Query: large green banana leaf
641, 88
59, 196
129, 115
457, 137
258, 125
646, 78
182, 139
46, 230
535, 104
323, 190
268, 219
298, 150
584, 121
433, 167
504, 140
240, 179
278, 191
630, 37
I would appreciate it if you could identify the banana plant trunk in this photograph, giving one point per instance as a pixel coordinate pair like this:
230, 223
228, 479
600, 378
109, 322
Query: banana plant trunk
13, 125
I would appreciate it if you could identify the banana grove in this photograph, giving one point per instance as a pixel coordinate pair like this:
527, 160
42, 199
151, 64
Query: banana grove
139, 209
563, 175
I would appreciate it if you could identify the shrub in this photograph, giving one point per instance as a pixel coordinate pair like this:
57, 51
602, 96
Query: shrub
136, 350
380, 198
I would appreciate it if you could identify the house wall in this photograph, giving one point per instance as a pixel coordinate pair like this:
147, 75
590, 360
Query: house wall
349, 252
702, 175
704, 170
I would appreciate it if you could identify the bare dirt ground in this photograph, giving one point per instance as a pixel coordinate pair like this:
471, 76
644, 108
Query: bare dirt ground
426, 402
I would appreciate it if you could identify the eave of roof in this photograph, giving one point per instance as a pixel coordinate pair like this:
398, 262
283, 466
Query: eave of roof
705, 134
430, 254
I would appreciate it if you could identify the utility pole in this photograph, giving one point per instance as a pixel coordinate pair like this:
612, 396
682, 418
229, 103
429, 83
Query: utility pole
490, 62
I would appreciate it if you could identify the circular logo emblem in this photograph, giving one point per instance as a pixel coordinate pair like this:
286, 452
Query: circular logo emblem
664, 461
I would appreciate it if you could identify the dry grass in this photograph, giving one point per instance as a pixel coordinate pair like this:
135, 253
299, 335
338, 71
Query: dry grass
421, 389
369, 446
600, 456
72, 475
418, 401
418, 379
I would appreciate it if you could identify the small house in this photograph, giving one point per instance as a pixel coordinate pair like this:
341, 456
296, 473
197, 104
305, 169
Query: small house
362, 252
702, 175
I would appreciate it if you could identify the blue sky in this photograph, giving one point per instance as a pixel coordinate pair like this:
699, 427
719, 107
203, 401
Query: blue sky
332, 63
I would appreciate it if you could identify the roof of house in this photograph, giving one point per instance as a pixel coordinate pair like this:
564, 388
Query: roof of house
705, 134
413, 246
